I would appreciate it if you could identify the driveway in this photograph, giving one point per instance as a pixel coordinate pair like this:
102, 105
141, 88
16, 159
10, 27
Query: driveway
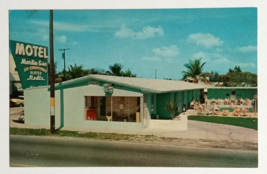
211, 131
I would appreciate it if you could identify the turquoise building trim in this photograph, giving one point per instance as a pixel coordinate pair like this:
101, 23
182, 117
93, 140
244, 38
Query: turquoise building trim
240, 93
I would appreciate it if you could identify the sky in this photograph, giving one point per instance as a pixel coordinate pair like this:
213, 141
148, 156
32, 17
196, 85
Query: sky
145, 41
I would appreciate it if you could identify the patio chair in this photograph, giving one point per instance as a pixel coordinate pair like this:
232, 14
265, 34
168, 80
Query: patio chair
212, 101
200, 107
247, 101
208, 112
109, 118
192, 104
236, 111
220, 101
196, 105
216, 110
227, 101
244, 111
241, 101
226, 112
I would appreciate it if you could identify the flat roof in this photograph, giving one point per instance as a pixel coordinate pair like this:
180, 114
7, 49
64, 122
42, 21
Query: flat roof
145, 84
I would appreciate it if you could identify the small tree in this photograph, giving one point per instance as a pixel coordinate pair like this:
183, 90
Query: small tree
172, 108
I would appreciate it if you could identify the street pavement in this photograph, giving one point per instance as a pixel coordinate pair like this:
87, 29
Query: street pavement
31, 151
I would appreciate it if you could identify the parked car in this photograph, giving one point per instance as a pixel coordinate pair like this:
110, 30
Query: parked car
19, 101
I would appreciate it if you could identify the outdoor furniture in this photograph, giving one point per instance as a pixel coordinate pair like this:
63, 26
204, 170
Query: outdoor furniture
196, 105
212, 101
226, 112
109, 118
208, 112
200, 107
241, 101
244, 111
91, 114
220, 101
247, 101
227, 101
216, 110
236, 111
192, 104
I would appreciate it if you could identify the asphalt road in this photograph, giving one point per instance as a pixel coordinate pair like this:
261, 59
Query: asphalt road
30, 151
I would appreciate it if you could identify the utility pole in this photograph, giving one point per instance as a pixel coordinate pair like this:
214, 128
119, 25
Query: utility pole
52, 75
155, 73
63, 56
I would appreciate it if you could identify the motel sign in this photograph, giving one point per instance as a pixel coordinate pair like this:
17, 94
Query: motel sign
31, 63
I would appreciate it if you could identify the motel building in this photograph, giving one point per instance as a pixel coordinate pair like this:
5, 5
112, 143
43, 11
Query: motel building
101, 102
110, 103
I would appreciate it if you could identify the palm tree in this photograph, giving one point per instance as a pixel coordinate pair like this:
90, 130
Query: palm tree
194, 71
75, 72
115, 69
128, 73
172, 108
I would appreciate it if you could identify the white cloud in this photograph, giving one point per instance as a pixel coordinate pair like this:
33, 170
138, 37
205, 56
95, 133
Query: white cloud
250, 65
247, 48
153, 59
61, 39
147, 32
204, 39
164, 53
212, 57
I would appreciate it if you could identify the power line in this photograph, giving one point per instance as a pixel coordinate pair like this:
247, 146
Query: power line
63, 56
155, 73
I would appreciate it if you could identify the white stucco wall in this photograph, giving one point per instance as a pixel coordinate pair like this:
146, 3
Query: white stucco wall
176, 124
37, 108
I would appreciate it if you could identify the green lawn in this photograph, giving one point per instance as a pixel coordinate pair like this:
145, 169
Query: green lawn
242, 122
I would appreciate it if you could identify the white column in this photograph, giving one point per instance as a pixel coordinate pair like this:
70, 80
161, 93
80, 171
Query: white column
142, 110
111, 105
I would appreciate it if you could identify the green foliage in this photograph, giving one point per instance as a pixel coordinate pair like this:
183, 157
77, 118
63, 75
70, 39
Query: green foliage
214, 77
242, 122
232, 79
116, 70
194, 71
173, 108
236, 69
128, 73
